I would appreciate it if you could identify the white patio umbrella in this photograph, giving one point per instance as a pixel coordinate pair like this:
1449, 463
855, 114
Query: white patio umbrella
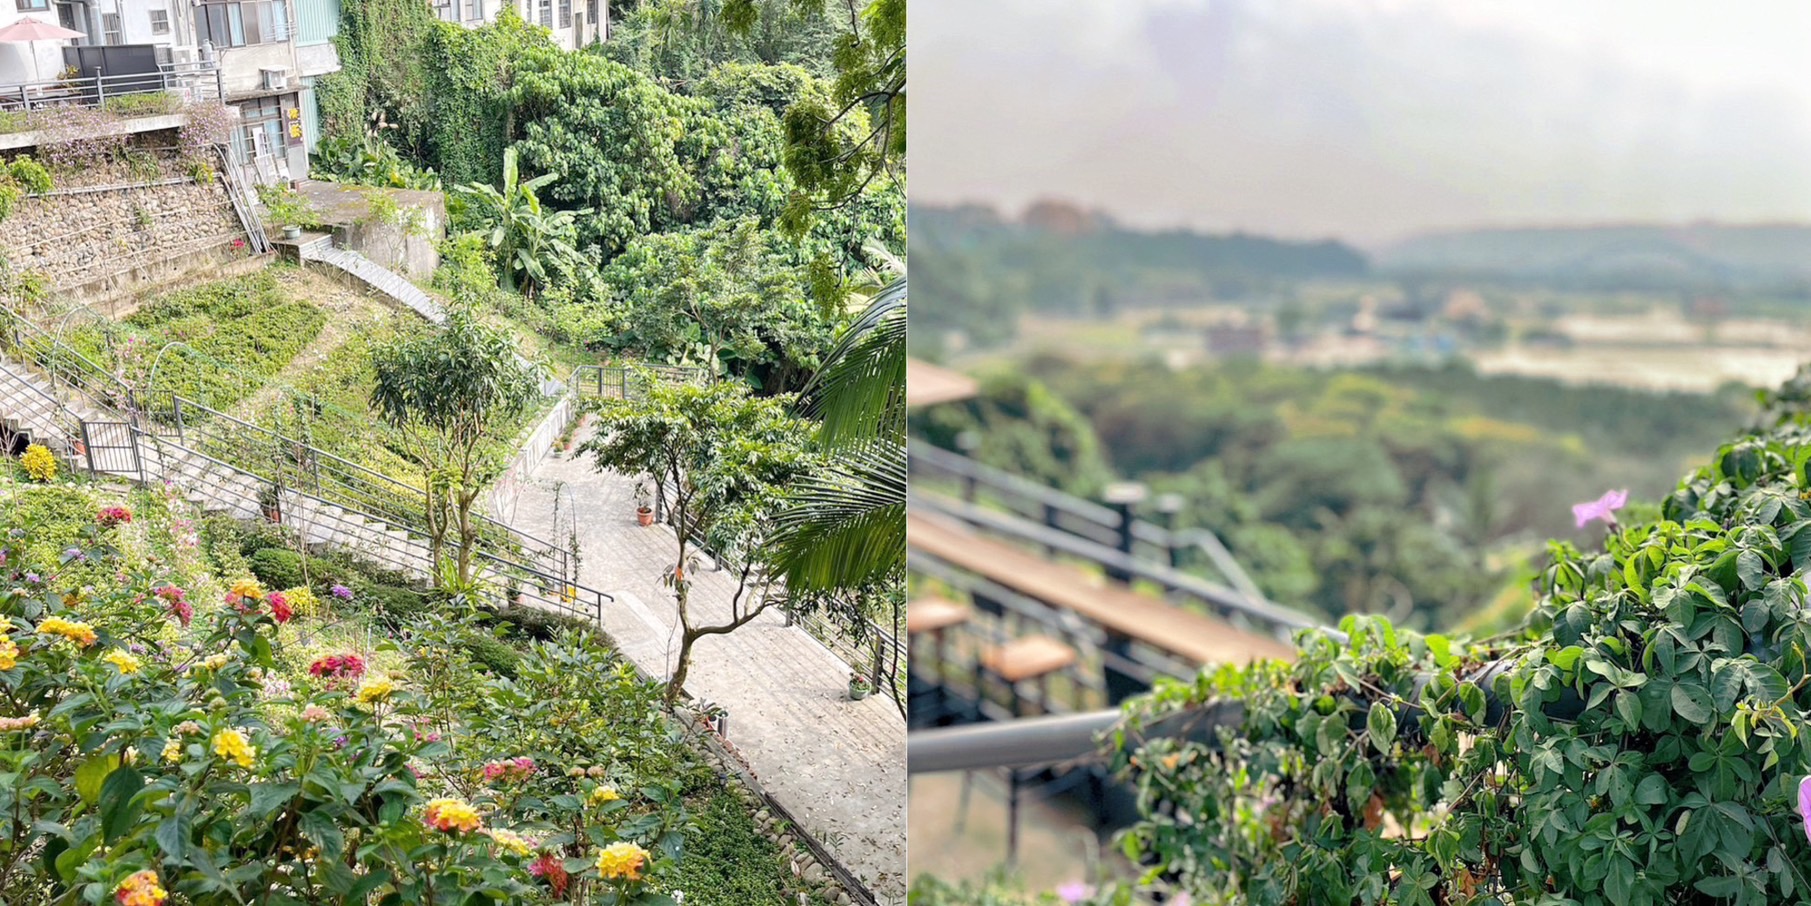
30, 29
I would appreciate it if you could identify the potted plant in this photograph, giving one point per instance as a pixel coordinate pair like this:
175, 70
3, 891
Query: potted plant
287, 208
270, 501
643, 513
859, 687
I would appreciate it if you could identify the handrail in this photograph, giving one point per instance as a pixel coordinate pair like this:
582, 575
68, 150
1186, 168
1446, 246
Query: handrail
1103, 524
1216, 596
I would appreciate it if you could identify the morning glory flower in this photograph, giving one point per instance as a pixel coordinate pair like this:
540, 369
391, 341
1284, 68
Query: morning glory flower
1603, 508
1804, 804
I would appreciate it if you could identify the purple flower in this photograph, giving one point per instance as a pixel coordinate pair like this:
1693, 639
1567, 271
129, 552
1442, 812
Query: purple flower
1804, 804
1074, 892
341, 592
1603, 508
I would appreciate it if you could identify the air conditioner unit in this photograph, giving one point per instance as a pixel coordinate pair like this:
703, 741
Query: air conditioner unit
275, 79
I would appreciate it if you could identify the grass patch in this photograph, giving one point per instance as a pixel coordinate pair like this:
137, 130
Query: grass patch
241, 327
728, 862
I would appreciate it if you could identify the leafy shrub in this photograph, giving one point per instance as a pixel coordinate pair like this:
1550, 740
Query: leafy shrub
541, 625
394, 603
149, 103
487, 651
39, 463
277, 568
30, 175
1638, 741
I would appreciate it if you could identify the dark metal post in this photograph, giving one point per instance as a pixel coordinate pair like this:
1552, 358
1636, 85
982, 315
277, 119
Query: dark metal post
967, 442
1170, 507
1124, 497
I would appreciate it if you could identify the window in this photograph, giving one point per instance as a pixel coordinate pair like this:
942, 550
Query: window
160, 21
111, 33
565, 13
239, 24
30, 5
262, 128
474, 10
546, 13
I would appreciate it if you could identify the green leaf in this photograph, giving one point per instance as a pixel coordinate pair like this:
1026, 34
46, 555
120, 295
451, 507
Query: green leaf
1691, 702
120, 805
1380, 726
91, 774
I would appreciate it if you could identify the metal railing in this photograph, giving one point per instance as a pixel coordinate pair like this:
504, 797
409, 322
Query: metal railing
128, 94
1218, 599
623, 381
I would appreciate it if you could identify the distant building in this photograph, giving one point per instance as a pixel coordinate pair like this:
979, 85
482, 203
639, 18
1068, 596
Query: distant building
1237, 341
1465, 306
1061, 217
574, 23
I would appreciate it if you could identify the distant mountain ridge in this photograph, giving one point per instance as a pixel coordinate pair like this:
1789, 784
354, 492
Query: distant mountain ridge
1695, 253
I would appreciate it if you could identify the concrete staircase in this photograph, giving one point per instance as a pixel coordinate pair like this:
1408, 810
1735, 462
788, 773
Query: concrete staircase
30, 406
374, 276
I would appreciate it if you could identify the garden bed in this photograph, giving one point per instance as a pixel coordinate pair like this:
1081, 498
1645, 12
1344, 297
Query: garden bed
535, 723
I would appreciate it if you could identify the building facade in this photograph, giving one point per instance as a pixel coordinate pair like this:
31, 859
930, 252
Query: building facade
573, 23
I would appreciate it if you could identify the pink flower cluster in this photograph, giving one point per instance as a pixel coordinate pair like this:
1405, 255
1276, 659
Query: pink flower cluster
175, 602
514, 769
338, 667
112, 516
279, 607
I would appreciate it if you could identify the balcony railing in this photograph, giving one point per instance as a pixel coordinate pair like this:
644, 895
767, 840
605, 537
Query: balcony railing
163, 91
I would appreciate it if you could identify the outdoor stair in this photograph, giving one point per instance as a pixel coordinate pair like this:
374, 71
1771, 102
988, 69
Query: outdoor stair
378, 278
44, 414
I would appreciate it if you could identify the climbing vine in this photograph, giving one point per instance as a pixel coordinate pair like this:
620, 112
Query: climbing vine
1637, 741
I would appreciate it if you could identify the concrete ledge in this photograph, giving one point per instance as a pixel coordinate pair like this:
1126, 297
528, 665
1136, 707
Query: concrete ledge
31, 138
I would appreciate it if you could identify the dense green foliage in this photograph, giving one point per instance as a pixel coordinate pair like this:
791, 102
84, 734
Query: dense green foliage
231, 332
1387, 491
1637, 741
660, 149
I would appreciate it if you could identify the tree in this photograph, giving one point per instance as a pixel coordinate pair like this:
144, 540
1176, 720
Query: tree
724, 461
444, 391
724, 295
527, 241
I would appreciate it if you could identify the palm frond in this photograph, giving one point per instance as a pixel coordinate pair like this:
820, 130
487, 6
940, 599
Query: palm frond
859, 393
846, 528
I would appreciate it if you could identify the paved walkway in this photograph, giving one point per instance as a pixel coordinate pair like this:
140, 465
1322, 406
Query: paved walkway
837, 765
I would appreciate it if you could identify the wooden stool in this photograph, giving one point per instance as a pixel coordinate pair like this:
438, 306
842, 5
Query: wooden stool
1033, 657
934, 617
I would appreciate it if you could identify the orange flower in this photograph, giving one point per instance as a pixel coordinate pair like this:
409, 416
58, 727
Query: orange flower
141, 889
451, 816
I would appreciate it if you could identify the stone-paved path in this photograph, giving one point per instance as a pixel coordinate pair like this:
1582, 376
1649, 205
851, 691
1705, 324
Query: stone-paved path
837, 765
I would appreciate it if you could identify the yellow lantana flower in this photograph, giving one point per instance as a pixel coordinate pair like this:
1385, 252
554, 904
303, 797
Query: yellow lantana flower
9, 653
232, 745
172, 751
376, 691
452, 816
127, 663
622, 860
80, 633
604, 794
246, 588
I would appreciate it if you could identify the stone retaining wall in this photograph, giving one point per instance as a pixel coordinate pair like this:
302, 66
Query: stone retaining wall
97, 244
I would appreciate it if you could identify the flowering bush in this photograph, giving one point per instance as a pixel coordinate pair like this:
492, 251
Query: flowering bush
310, 793
39, 463
1639, 741
112, 516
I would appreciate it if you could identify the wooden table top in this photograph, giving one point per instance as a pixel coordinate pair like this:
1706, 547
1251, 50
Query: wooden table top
930, 613
1191, 635
1028, 657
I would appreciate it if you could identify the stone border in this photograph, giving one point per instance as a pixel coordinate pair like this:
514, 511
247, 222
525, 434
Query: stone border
814, 866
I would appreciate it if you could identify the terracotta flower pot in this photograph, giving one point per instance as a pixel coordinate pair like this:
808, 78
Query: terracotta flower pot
644, 515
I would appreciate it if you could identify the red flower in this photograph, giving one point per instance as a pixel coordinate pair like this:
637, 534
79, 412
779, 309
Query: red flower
549, 868
279, 607
338, 666
112, 516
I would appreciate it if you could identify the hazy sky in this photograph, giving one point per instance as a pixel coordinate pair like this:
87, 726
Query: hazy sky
1367, 119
